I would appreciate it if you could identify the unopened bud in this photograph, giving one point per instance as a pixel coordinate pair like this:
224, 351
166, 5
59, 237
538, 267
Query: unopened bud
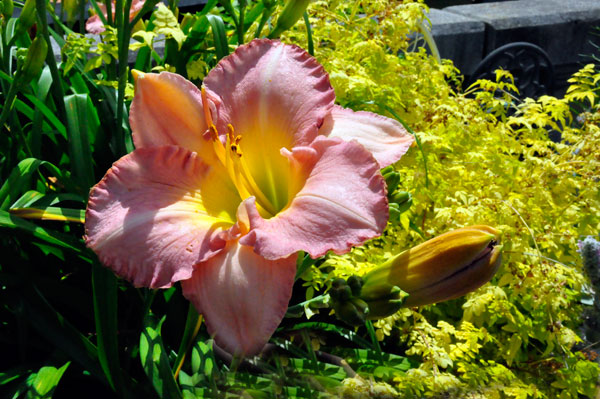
7, 8
353, 312
71, 7
291, 13
392, 179
35, 59
27, 17
443, 268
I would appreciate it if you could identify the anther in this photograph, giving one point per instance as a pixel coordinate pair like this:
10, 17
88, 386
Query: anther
214, 132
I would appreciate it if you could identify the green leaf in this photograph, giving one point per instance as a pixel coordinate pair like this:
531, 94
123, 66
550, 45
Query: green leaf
48, 113
155, 360
14, 373
80, 130
203, 358
219, 35
8, 221
18, 181
44, 382
192, 325
50, 213
342, 332
104, 285
35, 135
39, 200
59, 332
321, 368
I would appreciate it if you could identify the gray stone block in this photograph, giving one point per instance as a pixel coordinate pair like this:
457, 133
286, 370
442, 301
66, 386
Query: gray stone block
560, 27
458, 38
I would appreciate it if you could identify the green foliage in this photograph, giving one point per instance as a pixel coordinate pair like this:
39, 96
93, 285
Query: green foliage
491, 161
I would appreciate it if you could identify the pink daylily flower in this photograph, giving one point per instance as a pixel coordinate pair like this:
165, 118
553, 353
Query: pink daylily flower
228, 183
94, 24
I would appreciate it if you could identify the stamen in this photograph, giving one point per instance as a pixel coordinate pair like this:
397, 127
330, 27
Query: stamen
206, 108
230, 132
235, 147
214, 133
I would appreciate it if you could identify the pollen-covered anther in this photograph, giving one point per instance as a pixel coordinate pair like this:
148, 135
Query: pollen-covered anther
234, 141
235, 146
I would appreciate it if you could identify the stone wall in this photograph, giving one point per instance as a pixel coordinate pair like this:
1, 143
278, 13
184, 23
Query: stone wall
562, 28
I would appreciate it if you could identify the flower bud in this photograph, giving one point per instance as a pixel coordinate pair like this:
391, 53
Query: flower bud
7, 8
443, 268
27, 17
72, 8
35, 59
291, 13
353, 311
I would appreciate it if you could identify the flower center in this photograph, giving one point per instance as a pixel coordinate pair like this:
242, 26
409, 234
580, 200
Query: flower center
231, 156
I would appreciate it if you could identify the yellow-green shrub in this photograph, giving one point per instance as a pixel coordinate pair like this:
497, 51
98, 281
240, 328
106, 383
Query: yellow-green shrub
489, 160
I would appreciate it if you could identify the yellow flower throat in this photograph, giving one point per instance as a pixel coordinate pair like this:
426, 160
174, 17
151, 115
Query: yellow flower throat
231, 156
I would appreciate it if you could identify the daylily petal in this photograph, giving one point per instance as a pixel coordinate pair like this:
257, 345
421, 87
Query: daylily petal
342, 203
385, 138
282, 90
157, 212
242, 296
167, 110
136, 7
275, 96
94, 25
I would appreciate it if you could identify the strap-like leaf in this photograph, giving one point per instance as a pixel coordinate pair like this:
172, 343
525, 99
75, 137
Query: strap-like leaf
79, 139
219, 34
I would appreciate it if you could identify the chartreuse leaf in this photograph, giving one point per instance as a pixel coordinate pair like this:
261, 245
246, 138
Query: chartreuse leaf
104, 284
219, 35
155, 360
8, 221
80, 131
51, 213
41, 385
203, 358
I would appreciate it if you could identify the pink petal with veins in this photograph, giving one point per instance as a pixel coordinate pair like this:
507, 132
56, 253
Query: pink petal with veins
385, 138
267, 87
167, 110
242, 296
158, 212
341, 204
94, 25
